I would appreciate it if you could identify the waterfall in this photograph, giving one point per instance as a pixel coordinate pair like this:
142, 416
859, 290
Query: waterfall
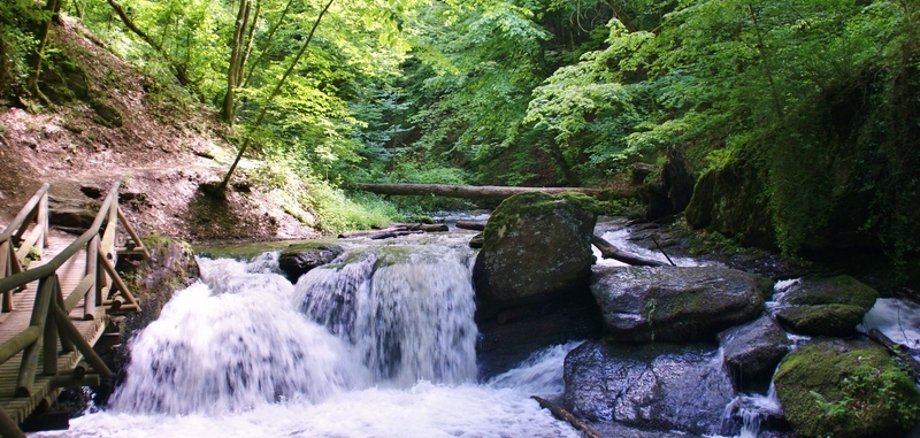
407, 310
244, 336
233, 341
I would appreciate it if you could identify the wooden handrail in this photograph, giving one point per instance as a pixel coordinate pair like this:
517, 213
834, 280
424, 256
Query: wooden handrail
50, 324
24, 213
49, 268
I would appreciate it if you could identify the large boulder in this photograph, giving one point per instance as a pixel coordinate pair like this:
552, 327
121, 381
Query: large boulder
643, 304
657, 386
819, 306
535, 247
298, 259
752, 351
851, 389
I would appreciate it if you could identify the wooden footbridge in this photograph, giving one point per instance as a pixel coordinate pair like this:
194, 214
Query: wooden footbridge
56, 295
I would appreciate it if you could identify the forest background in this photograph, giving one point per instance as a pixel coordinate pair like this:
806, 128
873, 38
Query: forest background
801, 118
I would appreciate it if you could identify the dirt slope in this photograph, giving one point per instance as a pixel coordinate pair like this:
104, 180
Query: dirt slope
108, 121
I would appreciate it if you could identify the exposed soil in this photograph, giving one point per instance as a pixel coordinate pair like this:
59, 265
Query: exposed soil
107, 121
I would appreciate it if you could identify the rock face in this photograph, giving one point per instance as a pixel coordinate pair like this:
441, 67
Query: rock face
643, 304
728, 199
535, 247
752, 351
299, 259
851, 389
825, 306
658, 386
72, 215
671, 193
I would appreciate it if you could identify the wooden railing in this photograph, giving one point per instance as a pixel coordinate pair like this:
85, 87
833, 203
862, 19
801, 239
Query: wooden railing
27, 233
50, 322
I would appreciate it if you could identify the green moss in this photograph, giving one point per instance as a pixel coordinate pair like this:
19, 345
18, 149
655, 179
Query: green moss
835, 389
509, 211
822, 320
841, 289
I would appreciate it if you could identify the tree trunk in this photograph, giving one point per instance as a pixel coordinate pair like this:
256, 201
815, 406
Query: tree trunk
53, 6
228, 112
178, 70
268, 43
496, 193
222, 187
563, 414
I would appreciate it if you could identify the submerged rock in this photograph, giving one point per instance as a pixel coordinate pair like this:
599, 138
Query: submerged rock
851, 389
657, 386
299, 259
752, 351
535, 247
831, 306
643, 304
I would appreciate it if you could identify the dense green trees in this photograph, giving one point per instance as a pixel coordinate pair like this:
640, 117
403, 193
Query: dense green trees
817, 97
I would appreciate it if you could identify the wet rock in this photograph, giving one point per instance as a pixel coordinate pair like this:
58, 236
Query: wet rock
535, 247
299, 259
752, 351
851, 389
643, 304
658, 386
825, 306
672, 190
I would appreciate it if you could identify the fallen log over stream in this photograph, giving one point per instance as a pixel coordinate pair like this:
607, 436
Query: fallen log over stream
496, 193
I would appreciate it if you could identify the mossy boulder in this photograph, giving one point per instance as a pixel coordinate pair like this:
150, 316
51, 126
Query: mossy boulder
825, 306
535, 247
298, 259
730, 199
643, 304
846, 389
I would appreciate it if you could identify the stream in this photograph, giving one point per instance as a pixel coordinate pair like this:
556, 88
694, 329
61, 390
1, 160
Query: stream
379, 343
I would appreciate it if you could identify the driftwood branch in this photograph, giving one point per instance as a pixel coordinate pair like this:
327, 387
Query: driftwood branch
609, 251
495, 193
564, 415
471, 225
898, 350
395, 230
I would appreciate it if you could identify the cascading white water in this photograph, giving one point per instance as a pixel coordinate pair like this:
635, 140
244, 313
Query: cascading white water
231, 342
391, 352
407, 310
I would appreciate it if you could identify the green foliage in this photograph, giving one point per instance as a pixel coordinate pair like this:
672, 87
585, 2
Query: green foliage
19, 19
870, 389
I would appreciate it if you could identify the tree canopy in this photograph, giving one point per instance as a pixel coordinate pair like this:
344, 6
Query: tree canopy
550, 92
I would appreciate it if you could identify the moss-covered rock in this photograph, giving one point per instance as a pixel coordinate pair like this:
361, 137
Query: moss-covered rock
535, 246
845, 389
825, 306
841, 289
821, 320
730, 199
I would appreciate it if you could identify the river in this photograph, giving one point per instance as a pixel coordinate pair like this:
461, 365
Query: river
380, 343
